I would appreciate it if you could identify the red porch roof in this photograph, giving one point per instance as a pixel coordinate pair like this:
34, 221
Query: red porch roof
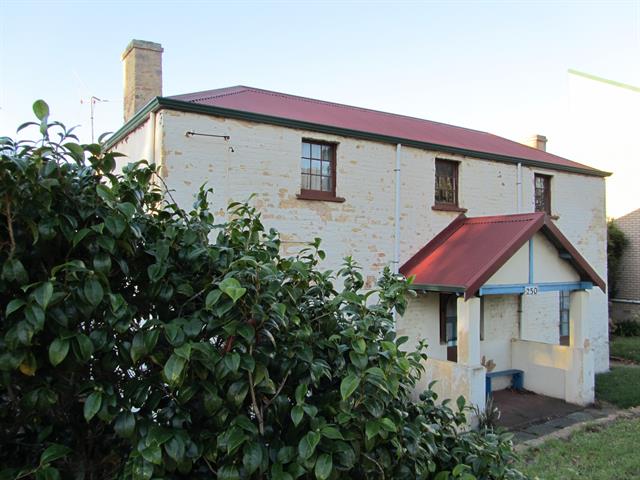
470, 250
318, 112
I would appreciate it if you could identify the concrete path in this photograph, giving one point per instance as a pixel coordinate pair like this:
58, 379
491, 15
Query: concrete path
564, 433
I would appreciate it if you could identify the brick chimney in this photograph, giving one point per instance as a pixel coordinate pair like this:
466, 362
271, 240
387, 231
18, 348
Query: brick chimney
537, 141
142, 75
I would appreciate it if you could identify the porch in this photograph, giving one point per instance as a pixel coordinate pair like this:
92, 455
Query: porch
500, 293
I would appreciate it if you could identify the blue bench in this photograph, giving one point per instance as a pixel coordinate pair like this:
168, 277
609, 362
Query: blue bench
517, 379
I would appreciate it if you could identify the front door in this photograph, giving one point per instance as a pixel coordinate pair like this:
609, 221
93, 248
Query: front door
449, 324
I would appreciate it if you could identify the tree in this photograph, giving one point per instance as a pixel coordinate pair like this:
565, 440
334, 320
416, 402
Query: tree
139, 340
616, 243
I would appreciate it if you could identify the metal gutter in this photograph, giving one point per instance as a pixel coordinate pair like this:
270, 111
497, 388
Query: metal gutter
162, 102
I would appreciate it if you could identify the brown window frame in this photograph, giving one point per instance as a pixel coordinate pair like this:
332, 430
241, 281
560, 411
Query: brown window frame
546, 179
440, 205
312, 194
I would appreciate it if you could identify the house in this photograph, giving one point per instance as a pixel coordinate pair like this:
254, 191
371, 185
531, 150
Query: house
626, 305
507, 242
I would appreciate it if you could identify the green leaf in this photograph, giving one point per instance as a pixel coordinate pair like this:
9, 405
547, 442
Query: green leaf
35, 316
92, 405
14, 271
102, 262
93, 291
138, 348
212, 298
235, 439
105, 193
41, 109
128, 209
79, 236
53, 453
232, 361
231, 287
387, 424
43, 294
324, 465
349, 385
372, 427
152, 454
359, 346
331, 432
85, 347
184, 351
175, 448
252, 457
228, 472
47, 473
14, 305
125, 424
301, 392
308, 444
58, 350
115, 224
286, 455
296, 414
173, 368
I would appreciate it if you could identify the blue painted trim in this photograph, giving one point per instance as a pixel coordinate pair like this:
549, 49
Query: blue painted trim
517, 289
530, 261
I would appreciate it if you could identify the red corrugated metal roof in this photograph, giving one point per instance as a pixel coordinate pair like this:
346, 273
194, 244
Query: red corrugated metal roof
470, 250
265, 102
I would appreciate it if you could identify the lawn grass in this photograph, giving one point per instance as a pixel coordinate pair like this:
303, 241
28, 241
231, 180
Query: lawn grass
626, 347
620, 386
597, 452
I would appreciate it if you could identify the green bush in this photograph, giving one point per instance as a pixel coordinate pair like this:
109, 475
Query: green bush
138, 340
627, 328
616, 244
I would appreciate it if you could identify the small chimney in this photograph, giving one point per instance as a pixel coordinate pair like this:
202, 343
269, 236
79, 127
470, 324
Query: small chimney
142, 75
537, 141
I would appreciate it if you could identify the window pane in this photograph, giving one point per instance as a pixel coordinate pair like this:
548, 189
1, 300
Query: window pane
315, 182
446, 182
306, 149
326, 152
304, 165
326, 184
326, 169
306, 182
315, 167
315, 151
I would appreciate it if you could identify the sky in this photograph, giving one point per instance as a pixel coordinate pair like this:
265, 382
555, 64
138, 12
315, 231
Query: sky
494, 66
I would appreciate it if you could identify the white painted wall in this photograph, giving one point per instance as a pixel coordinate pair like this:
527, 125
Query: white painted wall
266, 162
500, 328
422, 322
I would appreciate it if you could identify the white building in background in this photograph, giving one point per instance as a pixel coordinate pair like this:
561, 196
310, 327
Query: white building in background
527, 293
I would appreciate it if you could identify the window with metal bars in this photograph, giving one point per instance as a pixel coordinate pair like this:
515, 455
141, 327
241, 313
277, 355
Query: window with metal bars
446, 188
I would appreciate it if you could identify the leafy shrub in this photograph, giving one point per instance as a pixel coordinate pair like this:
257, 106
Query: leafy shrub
616, 244
138, 340
627, 328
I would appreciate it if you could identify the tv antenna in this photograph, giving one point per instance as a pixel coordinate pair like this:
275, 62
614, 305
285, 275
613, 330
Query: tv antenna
92, 102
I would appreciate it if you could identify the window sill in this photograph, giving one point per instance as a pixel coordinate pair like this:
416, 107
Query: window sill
448, 208
318, 196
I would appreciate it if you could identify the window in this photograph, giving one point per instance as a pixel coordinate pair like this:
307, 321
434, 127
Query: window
543, 193
449, 325
564, 317
318, 171
446, 183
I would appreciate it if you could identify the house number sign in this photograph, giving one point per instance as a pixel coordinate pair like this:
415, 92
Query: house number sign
531, 290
